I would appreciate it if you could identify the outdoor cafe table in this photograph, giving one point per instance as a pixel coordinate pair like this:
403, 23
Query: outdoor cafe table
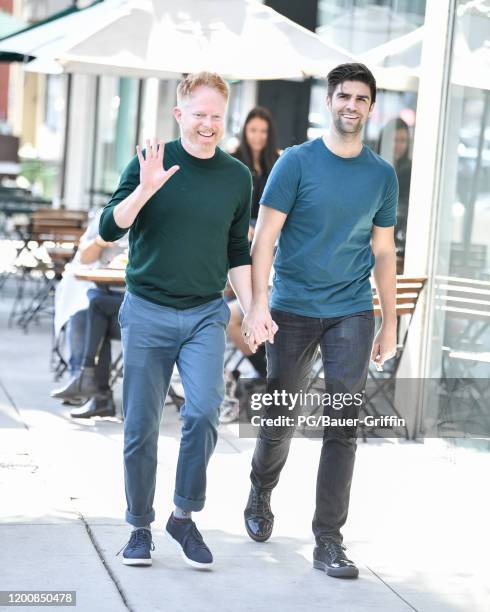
405, 286
102, 276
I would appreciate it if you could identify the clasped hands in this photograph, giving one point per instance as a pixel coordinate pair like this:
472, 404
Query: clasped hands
258, 327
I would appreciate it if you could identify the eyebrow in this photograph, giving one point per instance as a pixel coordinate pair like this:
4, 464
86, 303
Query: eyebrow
359, 97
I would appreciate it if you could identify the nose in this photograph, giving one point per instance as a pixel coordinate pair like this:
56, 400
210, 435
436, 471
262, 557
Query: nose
351, 105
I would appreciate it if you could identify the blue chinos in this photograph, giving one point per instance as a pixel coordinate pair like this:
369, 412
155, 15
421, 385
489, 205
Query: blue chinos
154, 339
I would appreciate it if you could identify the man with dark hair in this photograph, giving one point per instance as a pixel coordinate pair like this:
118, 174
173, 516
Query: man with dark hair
188, 212
332, 202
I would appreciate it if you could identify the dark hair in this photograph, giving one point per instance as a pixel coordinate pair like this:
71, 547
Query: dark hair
269, 154
351, 72
388, 132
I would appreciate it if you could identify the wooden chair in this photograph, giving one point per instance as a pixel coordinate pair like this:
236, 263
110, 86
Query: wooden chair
380, 386
58, 231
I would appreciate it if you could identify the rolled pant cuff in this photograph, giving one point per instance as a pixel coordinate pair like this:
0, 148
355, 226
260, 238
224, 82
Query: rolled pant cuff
189, 505
140, 520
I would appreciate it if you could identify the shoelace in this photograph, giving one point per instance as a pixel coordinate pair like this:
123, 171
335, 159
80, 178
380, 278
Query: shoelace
260, 503
137, 538
337, 550
195, 539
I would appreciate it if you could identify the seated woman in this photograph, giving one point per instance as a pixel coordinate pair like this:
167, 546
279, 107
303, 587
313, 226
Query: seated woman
91, 327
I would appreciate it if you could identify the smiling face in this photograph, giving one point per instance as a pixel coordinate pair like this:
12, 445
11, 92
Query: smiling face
350, 106
201, 118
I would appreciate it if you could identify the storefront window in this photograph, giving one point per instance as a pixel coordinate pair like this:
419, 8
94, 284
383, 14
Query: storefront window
387, 36
116, 130
460, 341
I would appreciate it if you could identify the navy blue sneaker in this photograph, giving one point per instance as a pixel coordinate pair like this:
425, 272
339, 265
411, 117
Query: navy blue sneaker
185, 534
137, 550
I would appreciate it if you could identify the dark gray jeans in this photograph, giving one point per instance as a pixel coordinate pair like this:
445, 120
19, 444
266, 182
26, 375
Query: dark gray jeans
345, 343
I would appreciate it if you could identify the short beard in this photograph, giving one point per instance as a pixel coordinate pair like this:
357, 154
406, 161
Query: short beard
340, 129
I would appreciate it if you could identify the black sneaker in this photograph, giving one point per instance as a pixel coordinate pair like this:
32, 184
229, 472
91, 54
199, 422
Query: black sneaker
330, 557
186, 536
137, 550
259, 519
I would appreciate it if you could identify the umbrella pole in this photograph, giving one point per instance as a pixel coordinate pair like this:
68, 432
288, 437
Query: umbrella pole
94, 142
139, 106
66, 140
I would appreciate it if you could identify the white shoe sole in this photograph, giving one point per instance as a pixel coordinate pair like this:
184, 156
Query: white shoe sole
137, 561
190, 562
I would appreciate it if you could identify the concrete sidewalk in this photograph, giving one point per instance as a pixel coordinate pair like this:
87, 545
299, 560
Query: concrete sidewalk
418, 525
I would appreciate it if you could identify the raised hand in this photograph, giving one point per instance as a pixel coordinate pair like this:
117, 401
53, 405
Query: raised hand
152, 173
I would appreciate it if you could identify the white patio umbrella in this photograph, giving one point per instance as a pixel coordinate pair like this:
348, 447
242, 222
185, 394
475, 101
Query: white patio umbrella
240, 39
400, 59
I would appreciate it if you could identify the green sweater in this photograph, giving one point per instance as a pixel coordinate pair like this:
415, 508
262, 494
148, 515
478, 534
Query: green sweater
187, 236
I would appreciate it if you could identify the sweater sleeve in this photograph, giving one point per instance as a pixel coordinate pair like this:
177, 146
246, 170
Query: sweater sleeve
238, 247
130, 178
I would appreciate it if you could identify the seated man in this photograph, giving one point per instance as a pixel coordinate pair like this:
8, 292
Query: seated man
90, 316
93, 379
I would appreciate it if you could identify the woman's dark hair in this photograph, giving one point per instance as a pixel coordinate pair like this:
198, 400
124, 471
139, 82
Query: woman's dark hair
269, 154
388, 134
351, 72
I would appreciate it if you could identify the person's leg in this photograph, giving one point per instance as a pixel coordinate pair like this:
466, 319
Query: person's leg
200, 363
346, 347
106, 310
150, 338
91, 380
76, 338
103, 367
76, 329
102, 312
102, 403
289, 362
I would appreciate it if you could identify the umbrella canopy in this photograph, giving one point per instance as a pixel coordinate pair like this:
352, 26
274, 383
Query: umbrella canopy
240, 39
470, 62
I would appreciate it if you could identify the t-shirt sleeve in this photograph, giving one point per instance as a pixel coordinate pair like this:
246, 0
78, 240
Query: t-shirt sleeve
130, 179
386, 215
238, 247
282, 185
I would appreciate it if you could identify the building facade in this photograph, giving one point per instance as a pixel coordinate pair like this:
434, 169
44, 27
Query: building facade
431, 59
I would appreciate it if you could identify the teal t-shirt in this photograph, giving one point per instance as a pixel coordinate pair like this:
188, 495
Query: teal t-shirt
324, 257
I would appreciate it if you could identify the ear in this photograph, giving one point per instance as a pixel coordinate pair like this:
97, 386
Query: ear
328, 101
371, 109
177, 113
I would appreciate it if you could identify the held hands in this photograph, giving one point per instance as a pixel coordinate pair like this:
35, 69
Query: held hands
384, 345
258, 326
152, 173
